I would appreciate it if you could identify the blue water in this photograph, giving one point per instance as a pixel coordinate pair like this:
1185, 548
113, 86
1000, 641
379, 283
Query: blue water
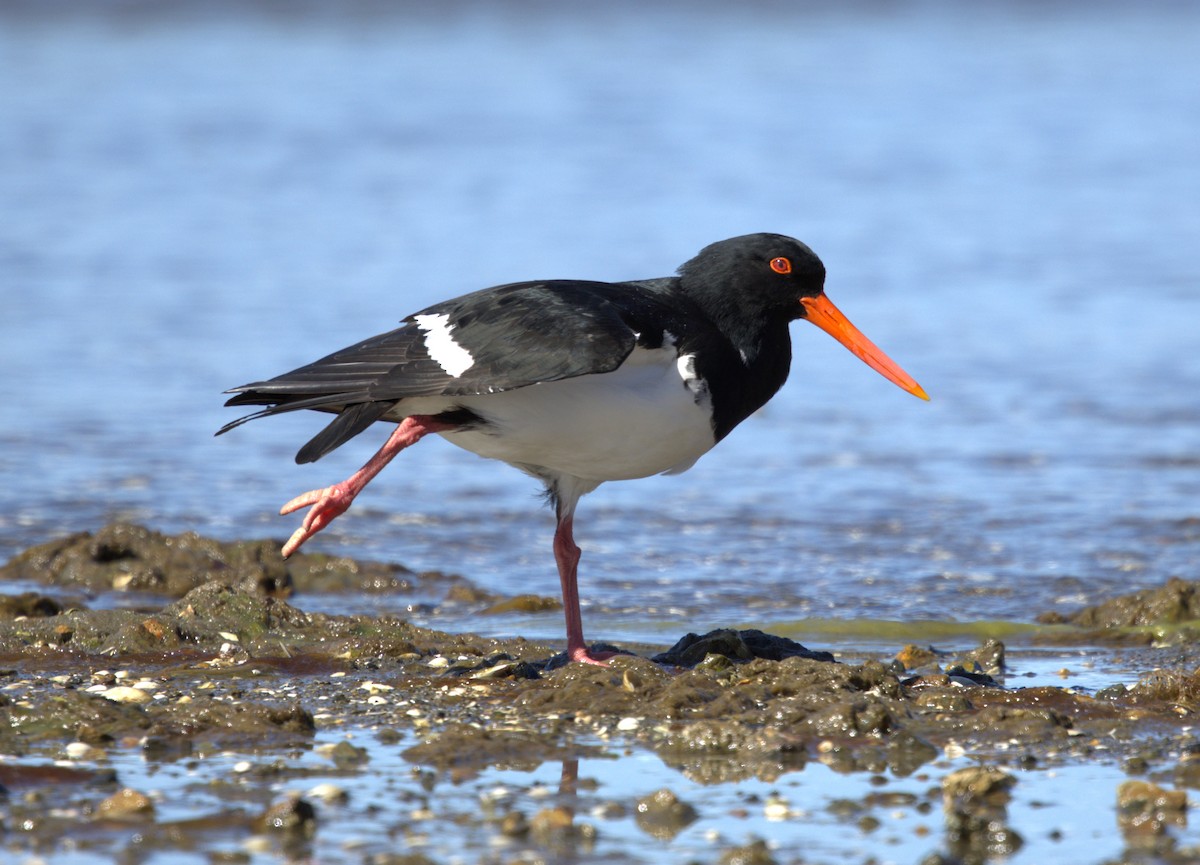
1007, 199
1006, 196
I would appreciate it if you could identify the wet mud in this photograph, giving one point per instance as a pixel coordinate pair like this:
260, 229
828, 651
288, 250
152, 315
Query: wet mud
230, 660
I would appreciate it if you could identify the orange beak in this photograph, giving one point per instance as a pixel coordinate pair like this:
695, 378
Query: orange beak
821, 312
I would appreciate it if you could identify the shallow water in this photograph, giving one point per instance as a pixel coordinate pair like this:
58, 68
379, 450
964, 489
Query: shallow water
815, 810
1007, 199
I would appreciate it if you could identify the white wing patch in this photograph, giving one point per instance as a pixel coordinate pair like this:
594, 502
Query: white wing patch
439, 341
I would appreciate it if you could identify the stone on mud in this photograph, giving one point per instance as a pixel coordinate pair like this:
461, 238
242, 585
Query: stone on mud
663, 815
744, 645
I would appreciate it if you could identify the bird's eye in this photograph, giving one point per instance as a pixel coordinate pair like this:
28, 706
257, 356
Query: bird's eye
781, 265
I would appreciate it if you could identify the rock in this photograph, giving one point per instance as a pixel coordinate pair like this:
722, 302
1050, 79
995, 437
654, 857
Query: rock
550, 822
466, 749
128, 557
126, 694
514, 825
662, 815
907, 753
347, 756
205, 613
523, 604
1177, 601
399, 859
1144, 808
737, 645
126, 804
975, 802
754, 853
293, 815
915, 657
29, 605
556, 828
990, 657
330, 794
977, 787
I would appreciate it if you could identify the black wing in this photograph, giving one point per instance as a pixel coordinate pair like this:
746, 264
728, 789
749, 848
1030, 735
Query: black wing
516, 335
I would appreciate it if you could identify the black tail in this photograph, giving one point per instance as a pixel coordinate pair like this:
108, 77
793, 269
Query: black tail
355, 412
350, 422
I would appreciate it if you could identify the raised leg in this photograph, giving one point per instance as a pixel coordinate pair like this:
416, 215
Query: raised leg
566, 554
331, 502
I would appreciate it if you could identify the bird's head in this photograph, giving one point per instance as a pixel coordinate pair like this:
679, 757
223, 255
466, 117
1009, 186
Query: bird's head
771, 276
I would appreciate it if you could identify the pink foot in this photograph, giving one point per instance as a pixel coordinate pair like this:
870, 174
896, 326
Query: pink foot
584, 655
327, 505
330, 503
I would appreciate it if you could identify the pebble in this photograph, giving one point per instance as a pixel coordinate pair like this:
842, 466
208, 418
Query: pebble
83, 751
628, 724
330, 794
757, 852
514, 825
376, 688
125, 694
552, 826
496, 794
776, 808
125, 804
257, 844
292, 815
663, 815
344, 755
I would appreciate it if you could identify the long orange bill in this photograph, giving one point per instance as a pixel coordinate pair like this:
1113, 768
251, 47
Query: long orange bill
821, 312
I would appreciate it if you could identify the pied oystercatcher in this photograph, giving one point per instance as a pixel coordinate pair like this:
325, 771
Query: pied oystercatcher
573, 382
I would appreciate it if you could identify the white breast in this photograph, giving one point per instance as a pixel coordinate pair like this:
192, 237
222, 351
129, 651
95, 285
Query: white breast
651, 415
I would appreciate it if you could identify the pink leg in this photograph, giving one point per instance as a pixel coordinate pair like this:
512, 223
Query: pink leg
332, 502
566, 554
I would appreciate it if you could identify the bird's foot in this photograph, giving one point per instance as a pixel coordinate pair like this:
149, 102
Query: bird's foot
327, 505
584, 655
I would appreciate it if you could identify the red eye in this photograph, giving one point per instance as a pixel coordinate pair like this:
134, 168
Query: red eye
781, 265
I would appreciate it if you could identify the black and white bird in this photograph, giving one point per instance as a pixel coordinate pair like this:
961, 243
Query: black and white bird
573, 382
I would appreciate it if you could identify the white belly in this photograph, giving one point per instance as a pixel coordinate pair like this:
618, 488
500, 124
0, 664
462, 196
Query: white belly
649, 416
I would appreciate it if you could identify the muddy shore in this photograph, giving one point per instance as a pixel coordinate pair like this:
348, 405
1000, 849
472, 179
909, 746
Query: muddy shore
228, 660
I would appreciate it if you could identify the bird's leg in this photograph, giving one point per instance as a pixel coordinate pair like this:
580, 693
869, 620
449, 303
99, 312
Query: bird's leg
331, 502
566, 554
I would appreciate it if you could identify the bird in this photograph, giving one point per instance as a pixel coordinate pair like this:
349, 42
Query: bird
571, 381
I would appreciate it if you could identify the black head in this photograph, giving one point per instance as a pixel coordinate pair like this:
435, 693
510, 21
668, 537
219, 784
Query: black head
753, 285
755, 275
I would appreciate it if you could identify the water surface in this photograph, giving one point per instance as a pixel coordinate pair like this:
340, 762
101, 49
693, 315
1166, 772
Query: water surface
1007, 199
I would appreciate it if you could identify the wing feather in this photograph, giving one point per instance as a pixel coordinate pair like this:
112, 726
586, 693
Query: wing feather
517, 335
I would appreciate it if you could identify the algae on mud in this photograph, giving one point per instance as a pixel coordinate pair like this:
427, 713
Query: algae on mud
234, 666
